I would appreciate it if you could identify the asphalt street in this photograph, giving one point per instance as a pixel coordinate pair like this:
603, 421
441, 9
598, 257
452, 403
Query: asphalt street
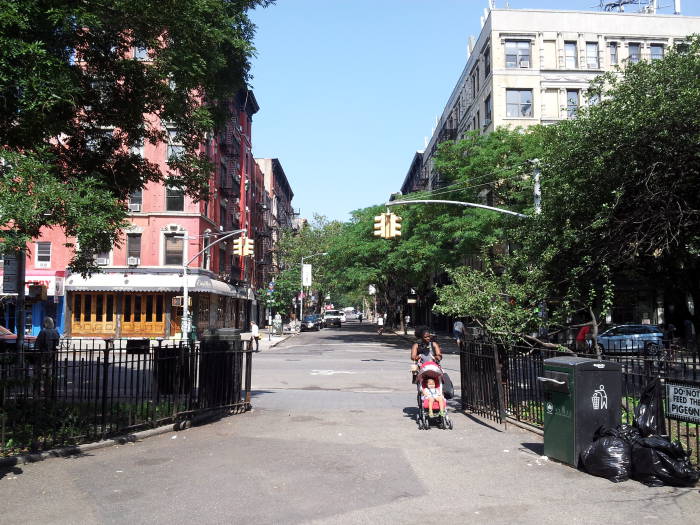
332, 440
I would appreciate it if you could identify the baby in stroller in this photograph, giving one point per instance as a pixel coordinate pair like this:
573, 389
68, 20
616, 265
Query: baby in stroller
430, 398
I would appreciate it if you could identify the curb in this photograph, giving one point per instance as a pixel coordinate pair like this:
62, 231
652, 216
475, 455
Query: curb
24, 459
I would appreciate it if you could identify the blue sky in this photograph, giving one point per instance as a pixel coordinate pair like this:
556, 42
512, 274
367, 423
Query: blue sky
349, 89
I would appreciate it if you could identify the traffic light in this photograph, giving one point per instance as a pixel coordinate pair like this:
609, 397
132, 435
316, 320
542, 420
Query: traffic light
387, 225
238, 246
380, 226
394, 225
249, 248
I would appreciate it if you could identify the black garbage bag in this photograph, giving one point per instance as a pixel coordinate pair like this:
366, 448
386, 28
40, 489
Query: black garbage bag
656, 462
649, 414
448, 389
609, 456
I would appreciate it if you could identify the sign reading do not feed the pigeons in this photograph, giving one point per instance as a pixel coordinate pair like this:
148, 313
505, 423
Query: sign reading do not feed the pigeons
683, 402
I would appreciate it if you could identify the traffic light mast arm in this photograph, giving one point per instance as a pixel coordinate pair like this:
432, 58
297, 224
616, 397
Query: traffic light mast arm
457, 203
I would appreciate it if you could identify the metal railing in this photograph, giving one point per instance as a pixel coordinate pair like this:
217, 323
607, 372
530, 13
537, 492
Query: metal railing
499, 380
92, 389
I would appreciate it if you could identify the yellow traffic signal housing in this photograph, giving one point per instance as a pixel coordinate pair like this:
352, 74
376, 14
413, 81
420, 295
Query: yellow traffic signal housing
387, 225
249, 248
394, 225
380, 226
238, 246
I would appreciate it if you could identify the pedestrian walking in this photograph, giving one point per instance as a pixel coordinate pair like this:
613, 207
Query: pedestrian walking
45, 348
582, 338
359, 317
380, 324
255, 334
458, 332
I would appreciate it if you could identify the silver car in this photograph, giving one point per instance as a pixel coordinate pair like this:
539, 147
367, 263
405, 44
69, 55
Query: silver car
631, 338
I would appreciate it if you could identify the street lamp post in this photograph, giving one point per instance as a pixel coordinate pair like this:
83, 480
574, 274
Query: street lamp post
301, 289
456, 203
185, 284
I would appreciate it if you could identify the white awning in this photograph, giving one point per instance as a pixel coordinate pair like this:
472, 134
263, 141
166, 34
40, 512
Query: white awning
152, 282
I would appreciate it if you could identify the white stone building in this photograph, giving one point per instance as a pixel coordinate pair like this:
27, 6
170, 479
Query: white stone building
534, 66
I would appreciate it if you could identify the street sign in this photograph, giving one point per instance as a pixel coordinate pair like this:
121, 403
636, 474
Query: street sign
9, 278
683, 402
306, 275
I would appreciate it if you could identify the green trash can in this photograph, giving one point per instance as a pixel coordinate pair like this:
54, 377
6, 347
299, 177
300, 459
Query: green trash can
580, 395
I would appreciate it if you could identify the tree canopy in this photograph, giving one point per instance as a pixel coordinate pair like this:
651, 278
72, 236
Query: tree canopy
84, 84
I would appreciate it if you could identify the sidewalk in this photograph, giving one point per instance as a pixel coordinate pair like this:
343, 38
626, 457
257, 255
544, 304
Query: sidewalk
266, 341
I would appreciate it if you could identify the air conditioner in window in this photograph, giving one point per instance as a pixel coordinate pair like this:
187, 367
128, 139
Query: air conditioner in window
134, 207
133, 261
101, 261
524, 63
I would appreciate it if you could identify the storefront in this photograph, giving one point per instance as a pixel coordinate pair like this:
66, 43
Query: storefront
118, 304
43, 292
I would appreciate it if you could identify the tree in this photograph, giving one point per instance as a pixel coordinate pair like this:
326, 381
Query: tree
621, 192
621, 188
76, 102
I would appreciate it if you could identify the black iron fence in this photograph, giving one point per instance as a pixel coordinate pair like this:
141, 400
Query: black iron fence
500, 382
91, 389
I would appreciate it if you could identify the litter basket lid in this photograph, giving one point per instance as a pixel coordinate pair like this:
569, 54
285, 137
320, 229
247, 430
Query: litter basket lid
582, 363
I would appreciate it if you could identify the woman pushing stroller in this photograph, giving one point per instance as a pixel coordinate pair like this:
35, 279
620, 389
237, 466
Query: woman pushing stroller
425, 349
428, 377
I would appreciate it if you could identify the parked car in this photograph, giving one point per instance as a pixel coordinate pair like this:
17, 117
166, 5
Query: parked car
8, 340
332, 318
343, 317
631, 338
311, 322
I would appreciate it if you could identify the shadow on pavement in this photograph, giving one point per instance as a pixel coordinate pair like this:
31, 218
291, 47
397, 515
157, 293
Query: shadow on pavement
481, 422
537, 448
10, 471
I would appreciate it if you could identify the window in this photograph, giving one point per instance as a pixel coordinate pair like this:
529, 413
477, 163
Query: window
488, 111
222, 171
487, 62
657, 51
571, 102
517, 53
222, 259
475, 81
478, 121
174, 198
102, 258
175, 147
99, 138
592, 61
43, 254
519, 102
635, 53
138, 149
174, 244
141, 53
571, 60
136, 197
613, 53
133, 245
